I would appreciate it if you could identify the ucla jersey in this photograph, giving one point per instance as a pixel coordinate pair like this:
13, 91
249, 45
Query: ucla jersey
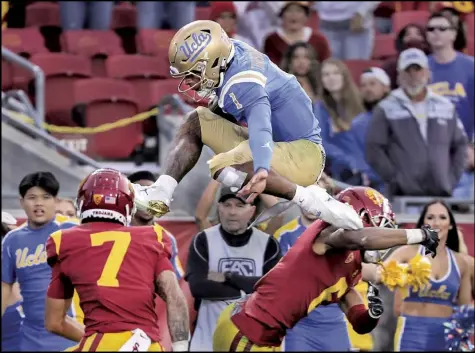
12, 321
443, 291
24, 261
253, 79
324, 329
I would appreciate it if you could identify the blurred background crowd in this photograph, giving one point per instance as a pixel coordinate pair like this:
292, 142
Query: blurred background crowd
106, 62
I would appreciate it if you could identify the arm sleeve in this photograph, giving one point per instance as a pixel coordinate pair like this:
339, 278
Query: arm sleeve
60, 286
246, 98
8, 261
377, 138
458, 151
197, 274
271, 257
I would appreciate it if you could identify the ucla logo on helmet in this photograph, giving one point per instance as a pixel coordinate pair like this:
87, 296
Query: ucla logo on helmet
194, 45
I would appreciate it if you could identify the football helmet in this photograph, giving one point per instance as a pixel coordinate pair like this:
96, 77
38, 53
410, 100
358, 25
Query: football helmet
373, 208
106, 193
201, 49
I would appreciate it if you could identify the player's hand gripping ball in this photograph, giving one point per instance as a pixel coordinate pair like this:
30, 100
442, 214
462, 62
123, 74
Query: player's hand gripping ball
431, 240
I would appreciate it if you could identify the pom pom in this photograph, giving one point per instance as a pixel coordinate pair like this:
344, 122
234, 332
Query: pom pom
459, 328
418, 274
394, 275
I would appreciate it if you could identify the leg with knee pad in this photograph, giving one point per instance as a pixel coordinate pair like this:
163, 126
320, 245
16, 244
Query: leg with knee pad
231, 177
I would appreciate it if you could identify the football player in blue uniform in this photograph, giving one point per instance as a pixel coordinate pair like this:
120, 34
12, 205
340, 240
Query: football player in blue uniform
279, 152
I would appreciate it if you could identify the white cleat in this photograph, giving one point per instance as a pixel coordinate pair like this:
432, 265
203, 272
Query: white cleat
330, 210
152, 199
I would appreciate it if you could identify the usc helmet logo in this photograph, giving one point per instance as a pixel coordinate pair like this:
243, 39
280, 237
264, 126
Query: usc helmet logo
375, 196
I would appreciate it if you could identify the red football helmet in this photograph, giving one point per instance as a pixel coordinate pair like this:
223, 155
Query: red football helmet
106, 193
373, 208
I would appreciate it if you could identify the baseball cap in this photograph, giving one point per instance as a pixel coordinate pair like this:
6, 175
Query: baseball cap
412, 56
378, 74
229, 193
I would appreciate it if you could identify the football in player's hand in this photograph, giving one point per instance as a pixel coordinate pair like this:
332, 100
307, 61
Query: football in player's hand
431, 241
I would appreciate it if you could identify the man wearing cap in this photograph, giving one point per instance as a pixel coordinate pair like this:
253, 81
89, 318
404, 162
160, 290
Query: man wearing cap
375, 85
415, 140
224, 262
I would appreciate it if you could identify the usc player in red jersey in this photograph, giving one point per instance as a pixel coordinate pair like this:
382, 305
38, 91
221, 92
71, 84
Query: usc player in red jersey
321, 268
117, 271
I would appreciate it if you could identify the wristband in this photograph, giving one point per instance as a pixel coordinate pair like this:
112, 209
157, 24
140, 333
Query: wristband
180, 346
414, 236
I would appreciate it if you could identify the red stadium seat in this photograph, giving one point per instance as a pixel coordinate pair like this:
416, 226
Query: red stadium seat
140, 71
313, 21
162, 88
61, 71
43, 13
202, 13
154, 41
384, 46
402, 19
93, 44
469, 21
7, 76
471, 46
357, 67
106, 100
124, 16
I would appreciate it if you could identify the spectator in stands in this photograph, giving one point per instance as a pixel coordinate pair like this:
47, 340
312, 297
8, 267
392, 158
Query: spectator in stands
225, 13
453, 77
154, 14
422, 314
456, 15
141, 218
66, 207
224, 263
24, 260
415, 140
76, 15
349, 27
300, 60
293, 29
374, 87
411, 36
340, 102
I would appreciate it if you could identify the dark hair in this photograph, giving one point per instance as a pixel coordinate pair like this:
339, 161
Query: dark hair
4, 229
423, 45
452, 236
460, 42
142, 175
45, 180
312, 75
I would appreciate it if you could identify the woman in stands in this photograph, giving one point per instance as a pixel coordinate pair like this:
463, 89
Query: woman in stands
339, 103
422, 314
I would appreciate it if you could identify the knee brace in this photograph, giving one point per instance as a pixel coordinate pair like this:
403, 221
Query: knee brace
232, 177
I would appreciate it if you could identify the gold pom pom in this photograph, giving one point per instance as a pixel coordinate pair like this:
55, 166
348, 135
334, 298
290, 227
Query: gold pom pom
418, 274
394, 275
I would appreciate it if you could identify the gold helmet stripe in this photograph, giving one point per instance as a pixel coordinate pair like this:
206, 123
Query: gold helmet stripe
248, 76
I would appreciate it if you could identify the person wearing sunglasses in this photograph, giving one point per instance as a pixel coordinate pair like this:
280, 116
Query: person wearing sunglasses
453, 77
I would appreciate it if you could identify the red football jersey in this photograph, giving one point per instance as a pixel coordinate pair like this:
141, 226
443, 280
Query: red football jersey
301, 281
114, 269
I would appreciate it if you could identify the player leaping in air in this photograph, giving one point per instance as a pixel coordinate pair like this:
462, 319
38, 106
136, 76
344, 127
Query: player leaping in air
305, 278
117, 271
280, 153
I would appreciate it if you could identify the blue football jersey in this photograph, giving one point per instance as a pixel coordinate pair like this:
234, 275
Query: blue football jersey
12, 321
253, 79
24, 261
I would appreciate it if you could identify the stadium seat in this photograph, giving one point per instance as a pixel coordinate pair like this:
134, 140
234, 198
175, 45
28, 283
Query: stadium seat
25, 42
384, 46
357, 67
61, 71
7, 76
96, 45
154, 41
162, 88
42, 13
313, 21
140, 71
469, 21
106, 100
124, 16
402, 19
202, 13
470, 46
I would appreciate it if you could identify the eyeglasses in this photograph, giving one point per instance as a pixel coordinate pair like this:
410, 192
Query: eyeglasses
439, 28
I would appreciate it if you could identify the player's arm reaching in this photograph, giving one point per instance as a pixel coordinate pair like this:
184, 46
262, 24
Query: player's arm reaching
375, 239
177, 311
363, 320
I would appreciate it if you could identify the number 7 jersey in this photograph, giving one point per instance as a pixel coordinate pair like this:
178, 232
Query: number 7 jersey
113, 269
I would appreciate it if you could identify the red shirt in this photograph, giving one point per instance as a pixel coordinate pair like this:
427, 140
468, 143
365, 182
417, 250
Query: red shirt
300, 282
114, 269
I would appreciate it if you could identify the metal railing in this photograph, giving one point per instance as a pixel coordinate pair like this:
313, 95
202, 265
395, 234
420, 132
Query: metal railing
39, 78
